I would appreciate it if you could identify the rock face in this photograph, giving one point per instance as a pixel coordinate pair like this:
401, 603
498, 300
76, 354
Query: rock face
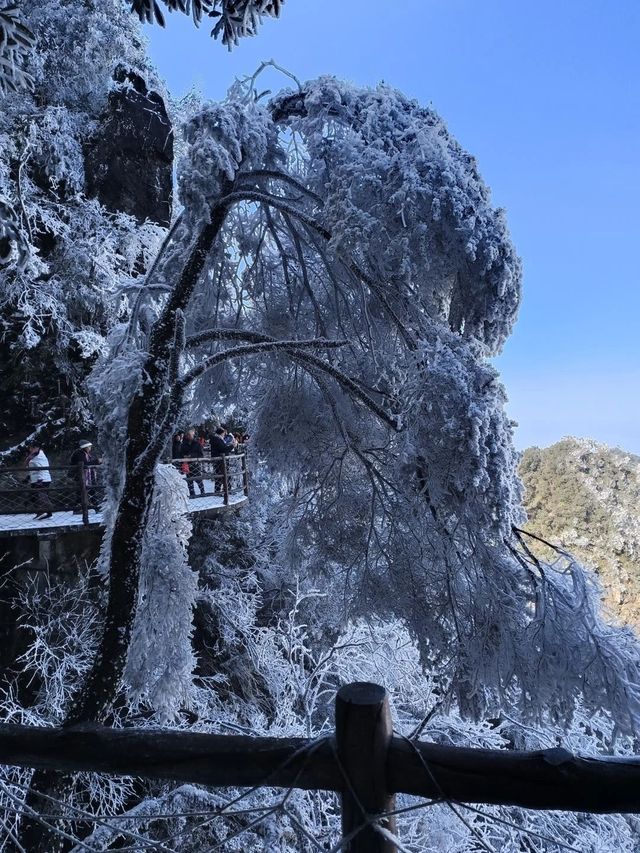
585, 497
129, 162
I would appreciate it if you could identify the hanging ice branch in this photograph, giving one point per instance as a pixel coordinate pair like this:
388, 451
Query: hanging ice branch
16, 44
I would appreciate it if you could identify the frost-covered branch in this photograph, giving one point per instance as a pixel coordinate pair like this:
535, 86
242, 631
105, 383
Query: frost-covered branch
285, 207
236, 19
283, 177
306, 358
254, 349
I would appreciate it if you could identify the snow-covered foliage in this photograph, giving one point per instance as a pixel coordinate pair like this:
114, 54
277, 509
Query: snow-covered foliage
235, 19
161, 662
66, 264
16, 43
266, 670
354, 215
338, 270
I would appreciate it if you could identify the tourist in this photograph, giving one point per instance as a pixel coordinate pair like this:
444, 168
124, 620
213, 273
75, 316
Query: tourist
191, 450
176, 445
229, 439
40, 479
219, 448
83, 456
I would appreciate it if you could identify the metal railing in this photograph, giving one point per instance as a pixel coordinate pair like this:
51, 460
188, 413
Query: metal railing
78, 490
223, 476
73, 489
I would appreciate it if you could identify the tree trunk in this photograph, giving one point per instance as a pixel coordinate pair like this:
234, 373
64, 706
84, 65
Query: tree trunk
94, 699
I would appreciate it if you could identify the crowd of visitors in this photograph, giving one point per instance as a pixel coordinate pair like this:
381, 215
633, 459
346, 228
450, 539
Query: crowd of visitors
187, 449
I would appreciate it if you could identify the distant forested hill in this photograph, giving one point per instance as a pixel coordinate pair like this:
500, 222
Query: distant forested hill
585, 496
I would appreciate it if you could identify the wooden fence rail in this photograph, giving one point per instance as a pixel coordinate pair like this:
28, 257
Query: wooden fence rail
363, 762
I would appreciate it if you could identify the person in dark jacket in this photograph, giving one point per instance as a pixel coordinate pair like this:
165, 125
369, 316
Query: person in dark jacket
176, 445
84, 456
192, 449
219, 448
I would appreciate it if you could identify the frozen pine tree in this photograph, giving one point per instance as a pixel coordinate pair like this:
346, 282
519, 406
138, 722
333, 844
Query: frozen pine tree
339, 265
352, 215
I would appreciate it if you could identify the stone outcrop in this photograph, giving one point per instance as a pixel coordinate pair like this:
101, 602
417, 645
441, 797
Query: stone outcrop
129, 162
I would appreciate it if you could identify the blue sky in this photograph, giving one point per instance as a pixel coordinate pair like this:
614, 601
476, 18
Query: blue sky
546, 94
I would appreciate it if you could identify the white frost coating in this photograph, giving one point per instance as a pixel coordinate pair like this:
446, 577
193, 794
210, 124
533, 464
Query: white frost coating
71, 260
160, 662
219, 138
276, 675
381, 232
403, 196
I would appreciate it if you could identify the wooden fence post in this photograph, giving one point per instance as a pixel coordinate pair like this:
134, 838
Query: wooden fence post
225, 480
84, 501
363, 734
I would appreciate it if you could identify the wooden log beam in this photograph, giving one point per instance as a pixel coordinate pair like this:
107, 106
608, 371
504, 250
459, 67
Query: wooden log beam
211, 760
545, 779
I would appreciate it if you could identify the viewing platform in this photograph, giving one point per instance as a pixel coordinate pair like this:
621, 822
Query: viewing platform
75, 496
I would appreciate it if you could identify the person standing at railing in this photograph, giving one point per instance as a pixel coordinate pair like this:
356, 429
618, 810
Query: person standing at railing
40, 479
176, 445
229, 439
219, 447
192, 449
84, 456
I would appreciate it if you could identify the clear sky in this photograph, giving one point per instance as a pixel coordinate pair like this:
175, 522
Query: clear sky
546, 94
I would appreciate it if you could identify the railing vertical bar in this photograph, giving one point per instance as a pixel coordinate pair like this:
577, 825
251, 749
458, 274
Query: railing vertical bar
225, 481
84, 501
245, 475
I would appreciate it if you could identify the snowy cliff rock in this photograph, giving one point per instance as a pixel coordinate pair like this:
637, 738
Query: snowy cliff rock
129, 162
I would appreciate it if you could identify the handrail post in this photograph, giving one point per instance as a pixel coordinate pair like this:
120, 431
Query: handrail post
245, 474
363, 734
84, 502
225, 480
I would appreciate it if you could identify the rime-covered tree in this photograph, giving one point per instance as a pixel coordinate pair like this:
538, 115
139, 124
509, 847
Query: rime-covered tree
346, 230
339, 268
232, 20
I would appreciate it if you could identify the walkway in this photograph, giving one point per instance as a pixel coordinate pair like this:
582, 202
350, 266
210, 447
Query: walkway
69, 488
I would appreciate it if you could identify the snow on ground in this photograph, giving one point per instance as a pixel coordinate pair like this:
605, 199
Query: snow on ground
69, 520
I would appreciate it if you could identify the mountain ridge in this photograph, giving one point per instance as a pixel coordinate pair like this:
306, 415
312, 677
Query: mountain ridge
585, 496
